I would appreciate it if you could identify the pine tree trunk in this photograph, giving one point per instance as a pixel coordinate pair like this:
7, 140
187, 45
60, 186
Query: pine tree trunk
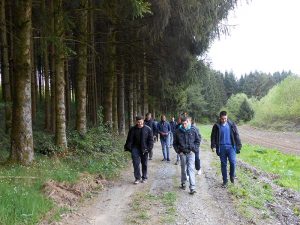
5, 70
92, 95
45, 58
132, 113
11, 45
21, 135
81, 72
145, 89
53, 72
109, 77
139, 94
33, 84
115, 107
60, 134
68, 93
121, 100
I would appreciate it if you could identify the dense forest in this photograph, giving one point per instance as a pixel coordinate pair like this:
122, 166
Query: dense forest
65, 62
118, 56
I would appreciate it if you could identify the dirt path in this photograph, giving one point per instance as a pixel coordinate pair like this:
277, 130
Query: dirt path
288, 142
210, 205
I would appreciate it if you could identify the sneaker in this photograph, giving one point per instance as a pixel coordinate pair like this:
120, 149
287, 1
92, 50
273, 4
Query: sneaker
193, 191
183, 187
199, 172
168, 160
232, 180
225, 184
150, 158
177, 162
144, 181
164, 160
136, 181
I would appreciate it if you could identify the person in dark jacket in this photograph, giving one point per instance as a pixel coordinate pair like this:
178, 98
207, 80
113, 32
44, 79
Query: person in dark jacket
197, 153
226, 142
186, 143
139, 142
173, 124
177, 127
164, 130
150, 123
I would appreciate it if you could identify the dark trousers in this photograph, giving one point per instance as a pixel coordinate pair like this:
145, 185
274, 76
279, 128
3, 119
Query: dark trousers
197, 160
151, 154
139, 158
227, 152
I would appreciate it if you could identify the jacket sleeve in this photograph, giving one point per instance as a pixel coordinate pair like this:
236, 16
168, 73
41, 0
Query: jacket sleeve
175, 142
128, 143
197, 141
150, 140
213, 137
236, 137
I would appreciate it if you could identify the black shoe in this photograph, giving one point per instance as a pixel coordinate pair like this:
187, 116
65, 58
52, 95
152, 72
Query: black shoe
232, 180
150, 158
168, 160
193, 191
177, 162
225, 184
183, 187
164, 160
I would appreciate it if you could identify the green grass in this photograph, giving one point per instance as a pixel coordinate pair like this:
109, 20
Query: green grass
250, 195
21, 197
205, 131
273, 161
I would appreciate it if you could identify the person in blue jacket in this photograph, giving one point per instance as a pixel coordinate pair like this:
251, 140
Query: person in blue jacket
164, 130
226, 142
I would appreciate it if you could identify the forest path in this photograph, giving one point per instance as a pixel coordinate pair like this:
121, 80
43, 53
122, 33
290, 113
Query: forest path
212, 204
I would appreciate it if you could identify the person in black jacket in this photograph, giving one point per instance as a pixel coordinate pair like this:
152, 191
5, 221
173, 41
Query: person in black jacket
139, 142
186, 143
226, 142
150, 123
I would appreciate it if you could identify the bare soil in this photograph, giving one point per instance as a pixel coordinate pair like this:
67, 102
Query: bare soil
211, 205
287, 142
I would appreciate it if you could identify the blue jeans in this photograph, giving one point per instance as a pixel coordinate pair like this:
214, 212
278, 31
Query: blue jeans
227, 152
187, 163
137, 158
171, 139
165, 147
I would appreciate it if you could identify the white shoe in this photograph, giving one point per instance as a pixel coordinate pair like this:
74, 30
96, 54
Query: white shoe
199, 172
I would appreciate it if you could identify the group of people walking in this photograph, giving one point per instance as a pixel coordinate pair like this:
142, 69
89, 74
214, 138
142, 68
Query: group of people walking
185, 138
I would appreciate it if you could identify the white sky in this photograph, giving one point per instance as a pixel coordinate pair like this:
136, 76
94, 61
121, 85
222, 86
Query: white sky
266, 38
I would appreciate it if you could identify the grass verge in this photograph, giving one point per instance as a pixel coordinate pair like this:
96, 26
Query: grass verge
273, 161
21, 197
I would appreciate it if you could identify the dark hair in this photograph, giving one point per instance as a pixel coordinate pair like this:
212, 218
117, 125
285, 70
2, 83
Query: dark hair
147, 114
183, 119
139, 117
223, 113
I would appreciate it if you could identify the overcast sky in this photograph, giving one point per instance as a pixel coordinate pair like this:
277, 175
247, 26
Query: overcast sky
266, 38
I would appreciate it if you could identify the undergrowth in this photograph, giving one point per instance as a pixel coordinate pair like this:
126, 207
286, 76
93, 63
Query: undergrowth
21, 197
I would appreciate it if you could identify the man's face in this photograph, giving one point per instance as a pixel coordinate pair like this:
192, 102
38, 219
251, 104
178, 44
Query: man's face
163, 118
185, 124
223, 119
149, 117
140, 123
